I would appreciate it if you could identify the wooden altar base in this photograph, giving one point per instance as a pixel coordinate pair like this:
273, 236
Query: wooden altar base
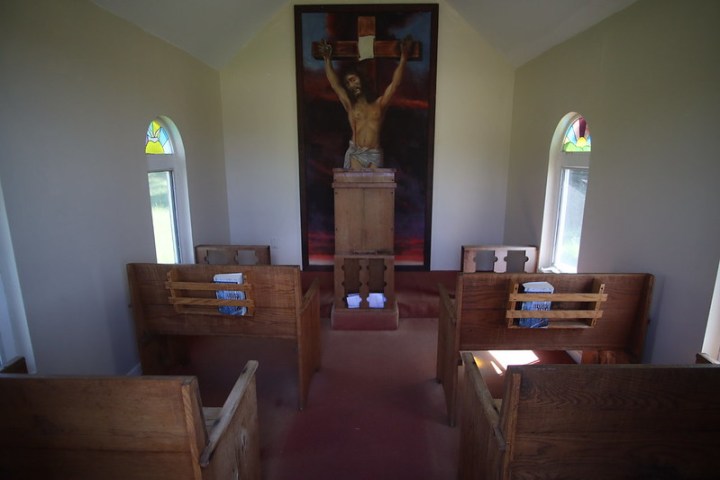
364, 318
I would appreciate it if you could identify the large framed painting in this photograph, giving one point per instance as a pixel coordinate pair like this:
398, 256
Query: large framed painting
365, 99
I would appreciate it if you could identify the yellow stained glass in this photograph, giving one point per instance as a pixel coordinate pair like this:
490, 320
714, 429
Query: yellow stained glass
157, 140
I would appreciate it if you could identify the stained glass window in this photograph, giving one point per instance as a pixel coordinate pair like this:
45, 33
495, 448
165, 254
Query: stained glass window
157, 140
577, 137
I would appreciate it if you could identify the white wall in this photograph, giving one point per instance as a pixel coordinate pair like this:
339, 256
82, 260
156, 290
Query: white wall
78, 88
473, 111
646, 79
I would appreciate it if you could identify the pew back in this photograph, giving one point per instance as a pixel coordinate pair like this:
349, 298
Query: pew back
592, 421
498, 258
280, 309
124, 427
233, 254
482, 303
480, 317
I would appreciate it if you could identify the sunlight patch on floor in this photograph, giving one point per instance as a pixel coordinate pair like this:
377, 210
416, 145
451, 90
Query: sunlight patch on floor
502, 358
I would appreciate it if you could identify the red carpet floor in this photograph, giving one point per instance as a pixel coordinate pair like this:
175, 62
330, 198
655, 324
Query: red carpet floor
374, 411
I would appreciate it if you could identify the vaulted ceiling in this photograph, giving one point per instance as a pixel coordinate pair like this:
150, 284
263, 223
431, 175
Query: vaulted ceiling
214, 30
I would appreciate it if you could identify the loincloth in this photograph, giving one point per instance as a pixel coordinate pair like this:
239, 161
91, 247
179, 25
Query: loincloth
364, 156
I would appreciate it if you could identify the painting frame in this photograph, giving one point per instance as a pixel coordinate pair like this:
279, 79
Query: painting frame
407, 130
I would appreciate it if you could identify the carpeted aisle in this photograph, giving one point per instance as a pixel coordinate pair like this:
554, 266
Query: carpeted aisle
375, 411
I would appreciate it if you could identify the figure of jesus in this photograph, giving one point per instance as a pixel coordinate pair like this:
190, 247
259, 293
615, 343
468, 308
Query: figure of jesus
365, 115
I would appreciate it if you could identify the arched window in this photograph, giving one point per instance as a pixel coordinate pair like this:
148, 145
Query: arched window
568, 175
167, 181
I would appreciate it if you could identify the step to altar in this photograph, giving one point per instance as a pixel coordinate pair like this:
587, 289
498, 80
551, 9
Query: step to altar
364, 318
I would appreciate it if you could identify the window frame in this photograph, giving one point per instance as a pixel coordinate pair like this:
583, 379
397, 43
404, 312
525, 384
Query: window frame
560, 214
559, 162
173, 214
175, 164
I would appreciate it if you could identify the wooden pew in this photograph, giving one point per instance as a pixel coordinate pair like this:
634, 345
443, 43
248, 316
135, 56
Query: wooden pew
611, 310
499, 258
170, 302
591, 422
233, 254
90, 428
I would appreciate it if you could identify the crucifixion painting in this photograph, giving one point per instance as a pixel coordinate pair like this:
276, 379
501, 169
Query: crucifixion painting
365, 112
366, 99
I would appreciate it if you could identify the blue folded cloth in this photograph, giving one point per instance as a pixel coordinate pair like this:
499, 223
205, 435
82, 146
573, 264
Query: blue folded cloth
536, 287
230, 294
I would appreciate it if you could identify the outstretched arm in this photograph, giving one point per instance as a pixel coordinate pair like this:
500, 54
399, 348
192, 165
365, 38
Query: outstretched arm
326, 50
398, 73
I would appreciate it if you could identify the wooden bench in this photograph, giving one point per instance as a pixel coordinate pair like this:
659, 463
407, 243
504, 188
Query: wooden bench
603, 315
90, 428
591, 422
499, 258
232, 254
170, 302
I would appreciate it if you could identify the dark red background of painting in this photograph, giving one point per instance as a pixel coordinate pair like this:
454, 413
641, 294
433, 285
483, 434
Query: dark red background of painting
406, 136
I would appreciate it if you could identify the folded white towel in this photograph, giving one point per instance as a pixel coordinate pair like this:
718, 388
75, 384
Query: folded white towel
376, 300
353, 300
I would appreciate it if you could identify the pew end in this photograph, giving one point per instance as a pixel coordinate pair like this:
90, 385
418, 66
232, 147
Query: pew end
92, 427
172, 303
603, 315
591, 421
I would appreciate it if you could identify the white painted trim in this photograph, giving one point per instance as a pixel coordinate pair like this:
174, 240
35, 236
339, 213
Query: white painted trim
14, 332
711, 343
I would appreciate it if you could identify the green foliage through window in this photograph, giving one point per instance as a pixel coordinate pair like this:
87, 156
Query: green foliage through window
163, 216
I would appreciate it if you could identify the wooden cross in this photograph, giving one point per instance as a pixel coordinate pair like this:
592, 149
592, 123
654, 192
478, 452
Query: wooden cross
351, 49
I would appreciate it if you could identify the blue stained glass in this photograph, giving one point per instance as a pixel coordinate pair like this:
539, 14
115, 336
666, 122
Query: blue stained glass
157, 141
577, 137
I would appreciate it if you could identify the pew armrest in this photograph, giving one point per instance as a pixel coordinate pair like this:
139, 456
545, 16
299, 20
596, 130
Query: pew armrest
490, 407
233, 435
447, 304
311, 294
